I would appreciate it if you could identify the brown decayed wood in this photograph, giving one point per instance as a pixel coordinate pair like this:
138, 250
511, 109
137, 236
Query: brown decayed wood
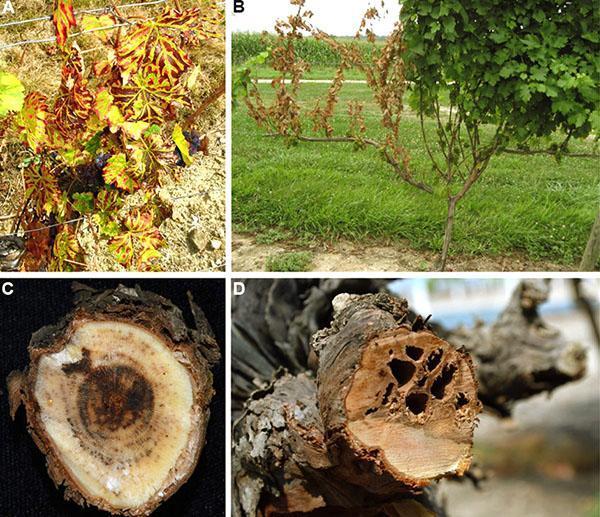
196, 350
418, 412
397, 417
515, 357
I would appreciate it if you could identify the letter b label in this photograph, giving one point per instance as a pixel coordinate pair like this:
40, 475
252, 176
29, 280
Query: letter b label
238, 6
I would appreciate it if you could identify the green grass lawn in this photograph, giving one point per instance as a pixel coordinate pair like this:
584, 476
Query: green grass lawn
316, 72
528, 204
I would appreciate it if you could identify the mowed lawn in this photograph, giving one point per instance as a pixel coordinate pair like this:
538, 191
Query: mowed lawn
522, 204
315, 73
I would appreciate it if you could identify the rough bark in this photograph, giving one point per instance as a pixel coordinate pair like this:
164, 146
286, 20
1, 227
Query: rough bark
339, 441
591, 255
106, 386
520, 355
281, 465
273, 322
448, 232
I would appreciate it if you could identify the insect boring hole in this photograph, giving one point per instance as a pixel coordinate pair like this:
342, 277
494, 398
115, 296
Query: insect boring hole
406, 377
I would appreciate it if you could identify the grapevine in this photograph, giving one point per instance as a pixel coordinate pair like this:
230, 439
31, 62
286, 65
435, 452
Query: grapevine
112, 128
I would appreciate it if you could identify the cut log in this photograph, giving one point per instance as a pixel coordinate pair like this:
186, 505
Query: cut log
116, 397
394, 398
392, 408
358, 438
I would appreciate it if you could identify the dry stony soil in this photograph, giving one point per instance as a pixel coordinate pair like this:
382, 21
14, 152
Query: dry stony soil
345, 255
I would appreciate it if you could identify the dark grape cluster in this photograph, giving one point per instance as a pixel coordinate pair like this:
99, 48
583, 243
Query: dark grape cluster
101, 160
197, 144
87, 177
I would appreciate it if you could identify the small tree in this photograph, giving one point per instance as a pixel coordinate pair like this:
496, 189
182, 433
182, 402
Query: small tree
529, 68
525, 87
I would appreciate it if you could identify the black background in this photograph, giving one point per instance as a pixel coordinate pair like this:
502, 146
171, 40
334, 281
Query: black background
26, 489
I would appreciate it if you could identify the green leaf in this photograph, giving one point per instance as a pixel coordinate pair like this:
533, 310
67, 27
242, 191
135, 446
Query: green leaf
93, 144
154, 129
12, 93
563, 106
499, 36
539, 16
578, 119
512, 60
595, 121
449, 26
538, 74
83, 202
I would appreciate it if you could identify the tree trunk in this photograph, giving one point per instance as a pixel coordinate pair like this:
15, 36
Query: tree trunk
340, 441
452, 202
591, 255
587, 307
520, 355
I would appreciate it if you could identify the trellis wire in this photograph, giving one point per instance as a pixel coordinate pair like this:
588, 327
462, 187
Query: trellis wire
83, 11
88, 11
50, 40
33, 230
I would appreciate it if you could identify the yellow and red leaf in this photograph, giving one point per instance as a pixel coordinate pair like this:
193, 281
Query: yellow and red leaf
66, 251
31, 122
75, 101
116, 173
157, 41
64, 19
148, 96
142, 236
41, 186
107, 111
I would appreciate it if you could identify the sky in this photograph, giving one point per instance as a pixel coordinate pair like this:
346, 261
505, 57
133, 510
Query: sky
336, 17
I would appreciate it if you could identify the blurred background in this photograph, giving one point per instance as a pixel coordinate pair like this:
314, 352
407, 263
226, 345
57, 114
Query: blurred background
544, 461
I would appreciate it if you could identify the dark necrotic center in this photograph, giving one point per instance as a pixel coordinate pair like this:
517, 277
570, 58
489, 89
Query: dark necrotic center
113, 398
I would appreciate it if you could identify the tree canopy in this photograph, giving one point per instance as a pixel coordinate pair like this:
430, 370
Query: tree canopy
532, 66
